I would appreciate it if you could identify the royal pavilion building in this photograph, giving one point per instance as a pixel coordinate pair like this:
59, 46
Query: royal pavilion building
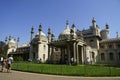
87, 46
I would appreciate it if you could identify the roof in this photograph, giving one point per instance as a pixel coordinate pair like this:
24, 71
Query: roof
110, 40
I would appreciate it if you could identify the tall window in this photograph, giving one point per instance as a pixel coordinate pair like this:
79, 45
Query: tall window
111, 56
102, 56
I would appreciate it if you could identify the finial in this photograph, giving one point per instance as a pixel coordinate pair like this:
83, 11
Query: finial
73, 26
6, 39
18, 39
67, 22
9, 38
32, 29
107, 26
49, 31
40, 27
93, 20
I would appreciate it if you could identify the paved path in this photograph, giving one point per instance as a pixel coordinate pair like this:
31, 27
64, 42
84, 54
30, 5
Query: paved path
16, 75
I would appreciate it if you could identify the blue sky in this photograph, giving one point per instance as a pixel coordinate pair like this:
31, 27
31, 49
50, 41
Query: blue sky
18, 16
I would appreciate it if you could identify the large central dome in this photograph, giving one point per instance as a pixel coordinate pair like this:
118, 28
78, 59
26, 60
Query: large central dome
65, 34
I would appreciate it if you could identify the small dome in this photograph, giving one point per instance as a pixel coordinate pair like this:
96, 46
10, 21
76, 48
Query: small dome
43, 34
66, 31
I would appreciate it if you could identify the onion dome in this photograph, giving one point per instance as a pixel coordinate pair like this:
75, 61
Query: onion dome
66, 33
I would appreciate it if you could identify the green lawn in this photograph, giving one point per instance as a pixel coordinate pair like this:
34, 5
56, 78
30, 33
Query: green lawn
79, 70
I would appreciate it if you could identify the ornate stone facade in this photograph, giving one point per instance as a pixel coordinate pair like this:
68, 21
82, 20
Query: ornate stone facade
88, 46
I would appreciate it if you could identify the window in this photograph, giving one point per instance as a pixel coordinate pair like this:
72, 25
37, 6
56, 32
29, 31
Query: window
102, 56
92, 43
111, 56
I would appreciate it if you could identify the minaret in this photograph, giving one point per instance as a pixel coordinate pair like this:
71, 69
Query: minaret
73, 27
52, 37
18, 40
72, 32
49, 33
94, 23
40, 30
32, 33
105, 32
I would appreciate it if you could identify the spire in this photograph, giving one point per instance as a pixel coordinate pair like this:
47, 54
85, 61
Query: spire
49, 33
94, 22
32, 32
40, 30
10, 38
107, 26
117, 35
18, 40
6, 39
67, 24
52, 37
40, 27
73, 27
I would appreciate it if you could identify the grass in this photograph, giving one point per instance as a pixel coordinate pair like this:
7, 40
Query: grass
79, 70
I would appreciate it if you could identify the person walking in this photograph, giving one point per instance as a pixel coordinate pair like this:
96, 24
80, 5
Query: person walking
9, 63
3, 64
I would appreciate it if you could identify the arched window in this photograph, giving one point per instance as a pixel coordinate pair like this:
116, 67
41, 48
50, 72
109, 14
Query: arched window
102, 56
111, 56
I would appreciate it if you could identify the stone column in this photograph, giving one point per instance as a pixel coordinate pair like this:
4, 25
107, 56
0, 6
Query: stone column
49, 52
31, 53
82, 54
77, 54
74, 52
